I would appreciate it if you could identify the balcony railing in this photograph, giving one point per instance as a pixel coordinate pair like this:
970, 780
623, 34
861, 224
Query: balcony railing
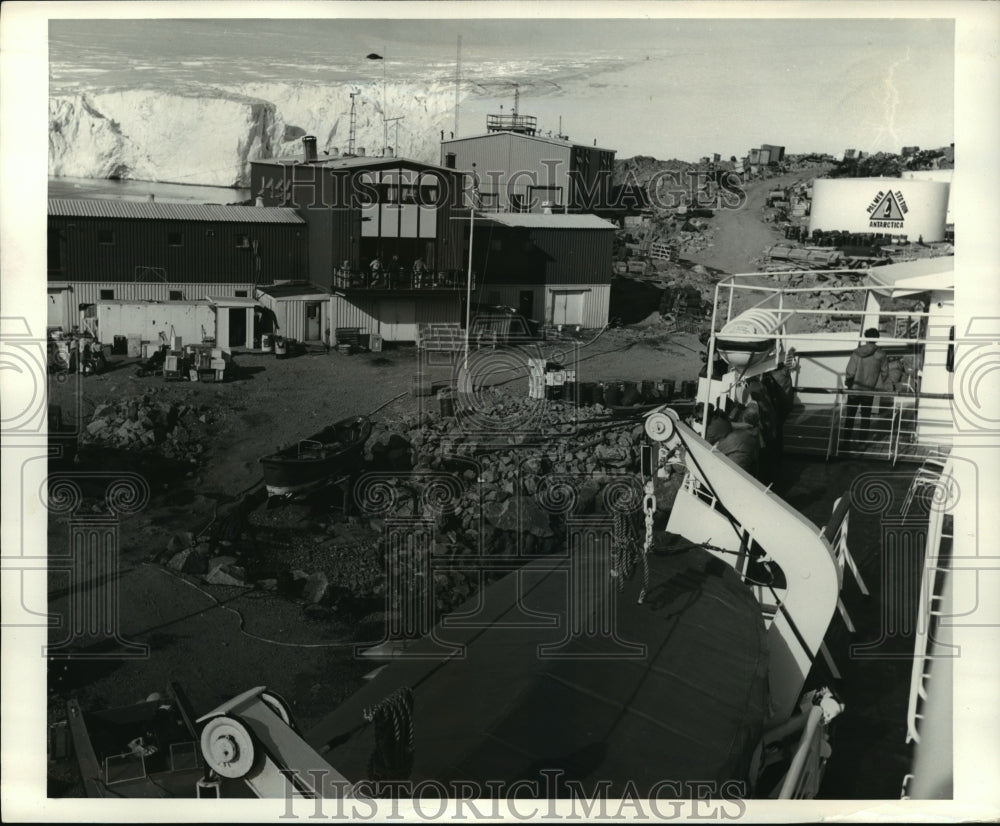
512, 123
351, 279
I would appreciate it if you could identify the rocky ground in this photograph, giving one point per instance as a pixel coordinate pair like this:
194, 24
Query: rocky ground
229, 593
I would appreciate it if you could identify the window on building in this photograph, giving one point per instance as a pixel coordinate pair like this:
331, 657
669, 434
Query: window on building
105, 236
176, 295
540, 195
242, 241
175, 239
240, 293
449, 160
107, 295
210, 233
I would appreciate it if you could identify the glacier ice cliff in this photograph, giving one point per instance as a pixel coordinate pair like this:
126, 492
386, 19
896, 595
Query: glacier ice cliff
209, 135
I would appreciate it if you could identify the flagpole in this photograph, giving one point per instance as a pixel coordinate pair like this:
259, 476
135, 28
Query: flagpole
385, 123
468, 290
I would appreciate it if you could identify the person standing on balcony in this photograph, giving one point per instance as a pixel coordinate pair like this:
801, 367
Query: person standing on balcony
419, 271
867, 370
375, 270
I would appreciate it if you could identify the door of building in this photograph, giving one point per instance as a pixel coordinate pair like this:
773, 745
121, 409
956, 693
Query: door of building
237, 326
526, 303
567, 307
312, 320
398, 319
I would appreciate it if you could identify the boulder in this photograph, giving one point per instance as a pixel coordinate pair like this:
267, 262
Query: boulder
216, 576
180, 541
218, 562
519, 514
315, 588
96, 426
314, 611
188, 561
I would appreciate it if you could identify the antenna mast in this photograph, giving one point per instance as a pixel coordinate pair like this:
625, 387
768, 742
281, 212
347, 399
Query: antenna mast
353, 127
517, 97
458, 80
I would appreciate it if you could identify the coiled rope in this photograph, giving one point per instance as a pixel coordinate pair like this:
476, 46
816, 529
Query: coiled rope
392, 717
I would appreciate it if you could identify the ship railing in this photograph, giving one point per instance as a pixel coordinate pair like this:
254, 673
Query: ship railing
804, 774
934, 473
889, 417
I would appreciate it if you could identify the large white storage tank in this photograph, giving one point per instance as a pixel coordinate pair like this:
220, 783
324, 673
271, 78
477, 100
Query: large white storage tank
894, 206
941, 175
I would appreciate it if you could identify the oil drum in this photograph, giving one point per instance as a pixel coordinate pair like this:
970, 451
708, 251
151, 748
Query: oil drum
612, 394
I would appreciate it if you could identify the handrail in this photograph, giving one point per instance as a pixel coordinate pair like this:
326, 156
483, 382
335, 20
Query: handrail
809, 746
930, 594
756, 514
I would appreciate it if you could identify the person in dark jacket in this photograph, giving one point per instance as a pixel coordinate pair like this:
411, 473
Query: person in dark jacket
742, 444
718, 423
867, 370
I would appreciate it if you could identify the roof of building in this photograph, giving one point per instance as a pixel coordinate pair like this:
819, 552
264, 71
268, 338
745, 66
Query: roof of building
923, 274
230, 301
558, 220
292, 289
543, 139
151, 210
352, 162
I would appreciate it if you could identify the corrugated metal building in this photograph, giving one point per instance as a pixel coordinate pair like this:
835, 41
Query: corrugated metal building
301, 310
358, 208
106, 250
520, 172
129, 241
395, 315
553, 268
776, 154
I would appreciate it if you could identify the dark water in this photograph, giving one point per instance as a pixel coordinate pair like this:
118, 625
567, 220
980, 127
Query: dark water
105, 189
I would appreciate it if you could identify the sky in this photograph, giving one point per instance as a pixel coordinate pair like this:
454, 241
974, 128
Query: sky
662, 87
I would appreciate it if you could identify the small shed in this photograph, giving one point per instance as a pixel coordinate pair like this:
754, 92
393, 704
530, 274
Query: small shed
235, 323
300, 310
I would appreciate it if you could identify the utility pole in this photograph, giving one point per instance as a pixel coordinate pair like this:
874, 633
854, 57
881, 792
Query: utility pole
396, 119
385, 123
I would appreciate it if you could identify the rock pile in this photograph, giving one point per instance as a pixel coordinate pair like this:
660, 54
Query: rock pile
498, 478
504, 457
171, 430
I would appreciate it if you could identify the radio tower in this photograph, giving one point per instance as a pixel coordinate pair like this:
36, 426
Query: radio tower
353, 127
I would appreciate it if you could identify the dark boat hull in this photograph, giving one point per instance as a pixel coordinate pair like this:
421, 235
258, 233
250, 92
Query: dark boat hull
318, 460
